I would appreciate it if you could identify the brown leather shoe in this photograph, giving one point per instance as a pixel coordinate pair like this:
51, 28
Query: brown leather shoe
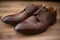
38, 23
14, 19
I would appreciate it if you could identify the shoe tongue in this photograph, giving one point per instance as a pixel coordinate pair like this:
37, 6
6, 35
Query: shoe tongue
30, 8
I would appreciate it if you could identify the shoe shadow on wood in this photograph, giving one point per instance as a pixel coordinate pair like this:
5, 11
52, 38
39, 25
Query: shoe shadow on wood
58, 21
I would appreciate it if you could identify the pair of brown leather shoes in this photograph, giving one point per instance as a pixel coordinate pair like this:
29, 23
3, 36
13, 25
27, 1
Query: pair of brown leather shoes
33, 19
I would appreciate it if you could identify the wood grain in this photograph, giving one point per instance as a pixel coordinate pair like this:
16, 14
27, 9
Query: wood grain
7, 31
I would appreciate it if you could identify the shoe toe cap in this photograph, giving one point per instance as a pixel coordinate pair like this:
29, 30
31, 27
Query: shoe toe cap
25, 28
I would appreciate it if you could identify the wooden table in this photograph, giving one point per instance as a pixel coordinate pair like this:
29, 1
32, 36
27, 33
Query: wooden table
7, 32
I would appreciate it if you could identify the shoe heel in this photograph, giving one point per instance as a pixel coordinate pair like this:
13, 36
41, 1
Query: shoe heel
54, 21
54, 18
